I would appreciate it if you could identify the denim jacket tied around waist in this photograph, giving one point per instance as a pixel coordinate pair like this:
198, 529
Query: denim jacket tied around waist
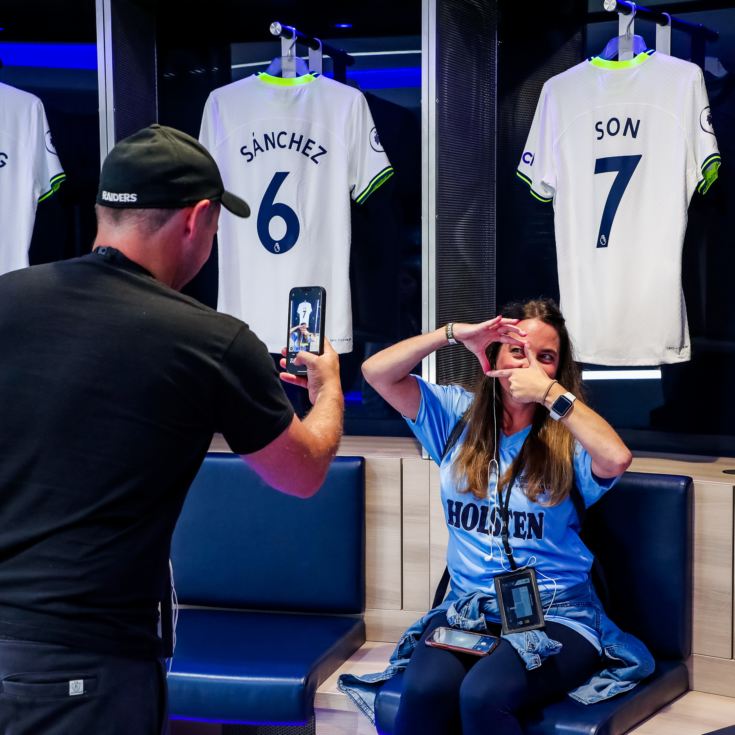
627, 661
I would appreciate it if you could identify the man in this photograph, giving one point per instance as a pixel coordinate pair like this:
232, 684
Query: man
112, 385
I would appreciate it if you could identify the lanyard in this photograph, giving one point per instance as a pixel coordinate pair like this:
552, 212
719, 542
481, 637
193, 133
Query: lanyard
504, 508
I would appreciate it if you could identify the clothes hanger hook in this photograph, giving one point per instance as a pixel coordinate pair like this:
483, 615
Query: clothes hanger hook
633, 8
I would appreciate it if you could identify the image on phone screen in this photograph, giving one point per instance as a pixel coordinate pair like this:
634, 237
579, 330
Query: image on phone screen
305, 323
303, 329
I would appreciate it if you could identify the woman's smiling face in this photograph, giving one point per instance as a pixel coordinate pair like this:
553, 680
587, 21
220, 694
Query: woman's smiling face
543, 340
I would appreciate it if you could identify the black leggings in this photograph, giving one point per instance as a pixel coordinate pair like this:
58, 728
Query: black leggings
447, 693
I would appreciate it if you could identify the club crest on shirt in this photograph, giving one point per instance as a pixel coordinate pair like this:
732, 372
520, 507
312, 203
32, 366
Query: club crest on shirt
375, 141
705, 121
49, 143
3, 159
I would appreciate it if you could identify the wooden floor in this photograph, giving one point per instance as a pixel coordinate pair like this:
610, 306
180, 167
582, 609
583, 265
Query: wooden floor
694, 713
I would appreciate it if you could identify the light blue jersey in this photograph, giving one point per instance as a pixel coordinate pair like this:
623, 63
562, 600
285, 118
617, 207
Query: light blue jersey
544, 537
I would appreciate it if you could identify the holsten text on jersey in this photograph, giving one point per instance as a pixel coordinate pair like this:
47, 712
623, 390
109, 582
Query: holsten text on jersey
472, 517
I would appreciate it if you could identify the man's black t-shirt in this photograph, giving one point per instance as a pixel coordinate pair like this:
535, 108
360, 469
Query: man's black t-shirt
111, 387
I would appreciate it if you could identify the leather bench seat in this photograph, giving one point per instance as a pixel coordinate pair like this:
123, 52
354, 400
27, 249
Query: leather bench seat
253, 667
272, 589
641, 531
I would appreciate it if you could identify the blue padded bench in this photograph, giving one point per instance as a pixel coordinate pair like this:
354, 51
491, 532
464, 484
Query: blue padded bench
279, 587
642, 534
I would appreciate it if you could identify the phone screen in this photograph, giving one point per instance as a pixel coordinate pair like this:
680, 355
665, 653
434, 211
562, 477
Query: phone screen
458, 638
522, 602
305, 323
452, 639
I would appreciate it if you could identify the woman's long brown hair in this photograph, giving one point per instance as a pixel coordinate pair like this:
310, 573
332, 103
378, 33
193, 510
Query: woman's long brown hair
547, 454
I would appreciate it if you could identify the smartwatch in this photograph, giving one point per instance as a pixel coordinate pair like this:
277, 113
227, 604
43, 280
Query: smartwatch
562, 406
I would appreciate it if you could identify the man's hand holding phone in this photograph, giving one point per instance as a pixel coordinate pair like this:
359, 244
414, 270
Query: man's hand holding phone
322, 371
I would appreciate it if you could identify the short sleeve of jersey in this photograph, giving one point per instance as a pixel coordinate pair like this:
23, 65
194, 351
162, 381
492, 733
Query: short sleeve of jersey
47, 171
208, 130
369, 166
537, 162
704, 155
252, 408
440, 408
592, 488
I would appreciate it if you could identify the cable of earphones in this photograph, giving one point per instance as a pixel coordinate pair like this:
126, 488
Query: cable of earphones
532, 560
493, 466
174, 617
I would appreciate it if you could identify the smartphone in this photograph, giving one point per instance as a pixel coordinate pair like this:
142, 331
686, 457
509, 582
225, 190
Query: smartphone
306, 314
463, 641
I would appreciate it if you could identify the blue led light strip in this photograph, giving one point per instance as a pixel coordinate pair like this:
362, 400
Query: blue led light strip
49, 55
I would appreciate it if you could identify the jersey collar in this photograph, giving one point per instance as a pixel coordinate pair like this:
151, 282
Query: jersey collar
286, 81
608, 64
517, 439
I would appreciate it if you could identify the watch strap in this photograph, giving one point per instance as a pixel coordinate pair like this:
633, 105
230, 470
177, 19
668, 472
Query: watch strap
449, 331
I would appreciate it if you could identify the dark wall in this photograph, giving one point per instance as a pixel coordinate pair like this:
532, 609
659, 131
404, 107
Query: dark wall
526, 251
466, 149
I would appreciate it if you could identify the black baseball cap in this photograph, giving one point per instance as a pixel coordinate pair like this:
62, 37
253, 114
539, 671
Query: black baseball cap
162, 168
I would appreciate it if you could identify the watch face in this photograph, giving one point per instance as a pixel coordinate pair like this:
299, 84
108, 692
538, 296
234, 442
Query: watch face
561, 406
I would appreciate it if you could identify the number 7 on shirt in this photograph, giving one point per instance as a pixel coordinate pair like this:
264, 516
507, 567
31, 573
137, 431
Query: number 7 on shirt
625, 166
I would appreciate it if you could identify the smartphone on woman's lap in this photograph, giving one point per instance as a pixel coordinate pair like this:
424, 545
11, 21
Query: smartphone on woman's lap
462, 641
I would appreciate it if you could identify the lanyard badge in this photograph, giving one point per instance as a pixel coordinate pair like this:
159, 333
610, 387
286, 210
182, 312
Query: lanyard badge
519, 601
517, 591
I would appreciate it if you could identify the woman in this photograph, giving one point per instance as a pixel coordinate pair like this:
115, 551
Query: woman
300, 338
526, 426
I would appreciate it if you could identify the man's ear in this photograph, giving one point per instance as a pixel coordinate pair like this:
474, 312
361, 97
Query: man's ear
198, 215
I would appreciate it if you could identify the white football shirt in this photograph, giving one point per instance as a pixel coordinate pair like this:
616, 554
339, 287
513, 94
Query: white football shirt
30, 171
296, 150
304, 310
620, 147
